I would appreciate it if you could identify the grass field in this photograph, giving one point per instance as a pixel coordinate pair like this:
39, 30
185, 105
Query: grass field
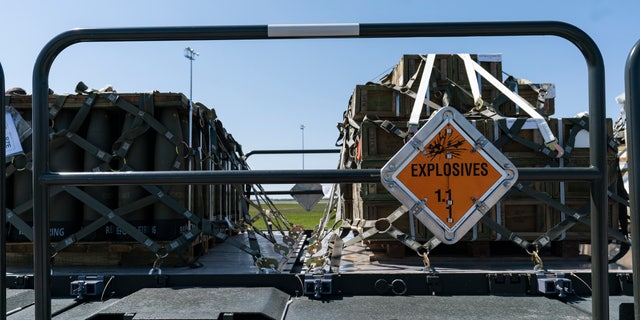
295, 214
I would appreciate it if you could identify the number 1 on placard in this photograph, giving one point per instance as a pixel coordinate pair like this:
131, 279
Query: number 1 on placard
447, 199
447, 193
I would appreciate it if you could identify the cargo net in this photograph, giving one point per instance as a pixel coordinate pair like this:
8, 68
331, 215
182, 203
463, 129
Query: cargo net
103, 131
380, 119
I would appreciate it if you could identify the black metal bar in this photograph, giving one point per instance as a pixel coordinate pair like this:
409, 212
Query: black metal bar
631, 109
247, 155
285, 192
275, 176
211, 177
569, 32
452, 283
3, 207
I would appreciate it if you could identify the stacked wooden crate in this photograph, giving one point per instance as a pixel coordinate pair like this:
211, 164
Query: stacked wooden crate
98, 120
375, 146
519, 212
530, 217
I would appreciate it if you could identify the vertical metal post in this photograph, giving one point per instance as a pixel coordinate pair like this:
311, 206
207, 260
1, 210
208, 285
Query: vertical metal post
632, 110
302, 130
190, 54
3, 208
599, 216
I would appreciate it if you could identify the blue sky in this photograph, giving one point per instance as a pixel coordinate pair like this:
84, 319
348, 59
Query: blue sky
264, 90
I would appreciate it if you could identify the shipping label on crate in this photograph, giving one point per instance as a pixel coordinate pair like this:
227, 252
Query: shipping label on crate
12, 144
449, 175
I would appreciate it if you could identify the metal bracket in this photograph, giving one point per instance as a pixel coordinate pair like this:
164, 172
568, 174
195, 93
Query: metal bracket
86, 286
318, 285
553, 284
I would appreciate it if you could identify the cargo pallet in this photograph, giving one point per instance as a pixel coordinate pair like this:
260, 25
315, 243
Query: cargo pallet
376, 126
106, 131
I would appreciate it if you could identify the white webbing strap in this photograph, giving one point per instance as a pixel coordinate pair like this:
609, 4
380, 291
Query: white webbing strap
473, 80
414, 120
549, 139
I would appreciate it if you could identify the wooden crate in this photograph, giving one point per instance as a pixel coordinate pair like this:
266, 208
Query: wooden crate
519, 153
23, 102
347, 214
581, 231
449, 73
374, 100
508, 108
372, 190
378, 144
579, 156
580, 153
381, 102
107, 254
527, 218
446, 67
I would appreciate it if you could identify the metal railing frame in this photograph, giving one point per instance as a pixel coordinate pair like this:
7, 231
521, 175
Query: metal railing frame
631, 109
44, 178
3, 205
290, 151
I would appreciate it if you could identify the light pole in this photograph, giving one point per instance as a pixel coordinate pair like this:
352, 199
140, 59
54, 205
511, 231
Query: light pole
190, 54
302, 130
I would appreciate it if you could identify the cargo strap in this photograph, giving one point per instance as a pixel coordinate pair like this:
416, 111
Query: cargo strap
373, 227
574, 216
367, 228
414, 120
56, 139
512, 85
110, 216
511, 133
408, 92
116, 217
60, 137
56, 106
351, 145
549, 139
271, 217
579, 124
387, 126
545, 91
420, 98
144, 114
506, 233
332, 204
142, 121
232, 152
13, 216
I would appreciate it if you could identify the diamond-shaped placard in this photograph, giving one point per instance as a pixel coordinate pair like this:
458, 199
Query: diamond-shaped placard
307, 194
449, 175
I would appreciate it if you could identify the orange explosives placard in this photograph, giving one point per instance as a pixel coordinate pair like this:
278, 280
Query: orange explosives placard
448, 175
